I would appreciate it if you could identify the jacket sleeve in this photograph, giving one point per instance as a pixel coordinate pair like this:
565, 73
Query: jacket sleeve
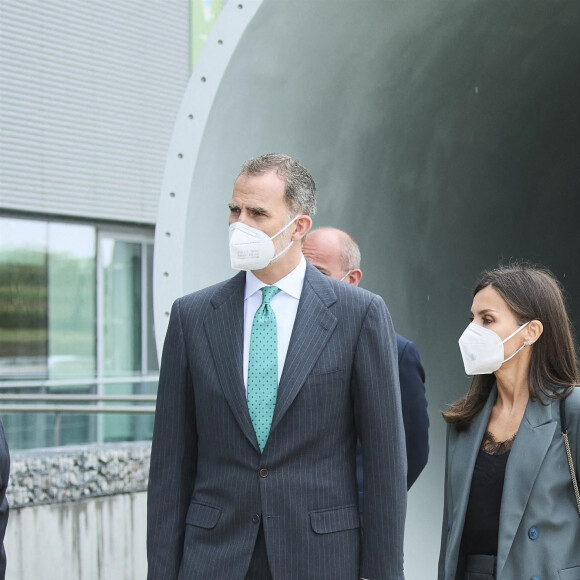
573, 420
415, 415
446, 520
377, 407
173, 457
4, 475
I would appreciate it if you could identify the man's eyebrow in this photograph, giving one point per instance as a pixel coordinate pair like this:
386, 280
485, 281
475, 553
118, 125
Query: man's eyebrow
255, 209
258, 209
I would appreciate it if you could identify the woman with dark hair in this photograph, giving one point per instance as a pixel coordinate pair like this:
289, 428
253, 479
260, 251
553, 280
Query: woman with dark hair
511, 510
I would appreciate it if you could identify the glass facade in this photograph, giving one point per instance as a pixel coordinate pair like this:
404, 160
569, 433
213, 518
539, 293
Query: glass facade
75, 318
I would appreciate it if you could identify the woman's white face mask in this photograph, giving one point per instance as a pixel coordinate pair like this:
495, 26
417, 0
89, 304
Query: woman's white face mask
482, 349
252, 249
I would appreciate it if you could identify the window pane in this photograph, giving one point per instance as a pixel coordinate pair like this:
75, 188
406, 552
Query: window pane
71, 324
71, 301
23, 299
121, 274
47, 323
23, 321
122, 301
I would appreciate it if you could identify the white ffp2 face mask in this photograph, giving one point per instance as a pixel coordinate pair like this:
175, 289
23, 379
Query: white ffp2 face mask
252, 249
482, 349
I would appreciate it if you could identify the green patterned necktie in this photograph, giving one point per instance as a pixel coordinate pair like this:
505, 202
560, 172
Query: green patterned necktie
263, 367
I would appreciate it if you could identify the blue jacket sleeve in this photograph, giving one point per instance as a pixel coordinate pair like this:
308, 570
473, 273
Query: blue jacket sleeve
414, 405
415, 416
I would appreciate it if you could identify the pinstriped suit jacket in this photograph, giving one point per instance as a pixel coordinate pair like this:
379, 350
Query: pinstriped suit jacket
208, 480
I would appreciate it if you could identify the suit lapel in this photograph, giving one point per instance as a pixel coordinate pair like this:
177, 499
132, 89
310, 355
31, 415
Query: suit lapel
461, 466
530, 447
313, 327
224, 327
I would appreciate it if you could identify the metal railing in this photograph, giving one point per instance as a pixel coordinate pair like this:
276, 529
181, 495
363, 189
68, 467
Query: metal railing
46, 383
83, 409
71, 403
88, 398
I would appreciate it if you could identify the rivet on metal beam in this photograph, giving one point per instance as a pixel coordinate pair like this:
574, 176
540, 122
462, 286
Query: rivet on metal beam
180, 155
203, 79
172, 194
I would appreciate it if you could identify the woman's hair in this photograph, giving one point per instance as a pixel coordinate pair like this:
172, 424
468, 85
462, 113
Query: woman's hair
532, 293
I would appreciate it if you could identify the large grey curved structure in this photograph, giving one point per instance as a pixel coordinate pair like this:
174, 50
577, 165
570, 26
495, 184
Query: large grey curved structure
444, 135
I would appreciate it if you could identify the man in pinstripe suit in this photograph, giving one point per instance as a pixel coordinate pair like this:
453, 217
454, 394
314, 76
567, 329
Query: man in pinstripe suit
221, 504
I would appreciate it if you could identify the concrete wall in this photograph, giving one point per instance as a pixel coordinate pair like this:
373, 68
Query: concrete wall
90, 539
78, 513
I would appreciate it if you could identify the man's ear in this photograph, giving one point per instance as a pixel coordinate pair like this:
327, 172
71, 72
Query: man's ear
354, 277
533, 331
301, 227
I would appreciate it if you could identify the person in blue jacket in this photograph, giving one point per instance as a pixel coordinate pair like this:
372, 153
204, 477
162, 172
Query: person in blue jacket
336, 254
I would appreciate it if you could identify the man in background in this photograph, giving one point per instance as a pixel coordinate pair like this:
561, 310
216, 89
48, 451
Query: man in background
336, 254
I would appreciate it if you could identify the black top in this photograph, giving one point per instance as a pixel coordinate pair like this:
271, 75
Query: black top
481, 527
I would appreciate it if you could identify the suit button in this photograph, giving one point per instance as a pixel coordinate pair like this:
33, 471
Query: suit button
263, 472
256, 518
533, 533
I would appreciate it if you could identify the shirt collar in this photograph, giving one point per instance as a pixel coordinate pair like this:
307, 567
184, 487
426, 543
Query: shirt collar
291, 283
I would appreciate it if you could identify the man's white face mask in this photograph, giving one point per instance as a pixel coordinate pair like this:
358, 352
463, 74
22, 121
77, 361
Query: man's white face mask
252, 249
482, 349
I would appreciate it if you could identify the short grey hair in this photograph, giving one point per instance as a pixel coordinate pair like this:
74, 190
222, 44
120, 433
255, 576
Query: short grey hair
300, 192
350, 254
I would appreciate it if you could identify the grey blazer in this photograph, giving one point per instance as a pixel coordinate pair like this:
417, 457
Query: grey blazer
209, 486
539, 530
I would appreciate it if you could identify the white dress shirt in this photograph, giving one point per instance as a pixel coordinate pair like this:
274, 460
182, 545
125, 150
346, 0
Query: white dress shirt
284, 305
